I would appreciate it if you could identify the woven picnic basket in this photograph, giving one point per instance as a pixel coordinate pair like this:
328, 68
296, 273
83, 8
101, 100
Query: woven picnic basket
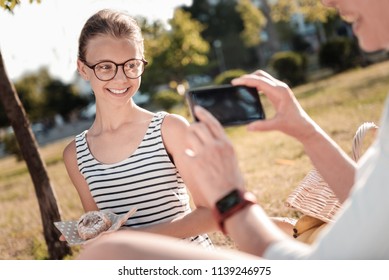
313, 196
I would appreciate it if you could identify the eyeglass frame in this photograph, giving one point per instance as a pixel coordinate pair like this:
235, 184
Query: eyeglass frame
145, 62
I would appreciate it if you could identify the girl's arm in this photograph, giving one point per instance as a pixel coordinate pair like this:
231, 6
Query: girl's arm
70, 161
200, 220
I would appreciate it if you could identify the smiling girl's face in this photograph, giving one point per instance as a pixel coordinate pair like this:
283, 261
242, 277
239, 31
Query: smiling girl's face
107, 48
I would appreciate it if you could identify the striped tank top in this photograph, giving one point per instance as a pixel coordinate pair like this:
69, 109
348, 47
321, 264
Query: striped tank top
147, 180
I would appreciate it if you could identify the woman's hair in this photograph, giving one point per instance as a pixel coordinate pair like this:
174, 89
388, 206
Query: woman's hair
109, 22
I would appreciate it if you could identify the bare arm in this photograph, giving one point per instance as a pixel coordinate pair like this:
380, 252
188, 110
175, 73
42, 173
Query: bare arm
213, 160
182, 227
336, 167
70, 160
195, 223
200, 220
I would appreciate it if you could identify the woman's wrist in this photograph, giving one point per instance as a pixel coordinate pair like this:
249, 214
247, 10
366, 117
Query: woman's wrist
230, 204
308, 132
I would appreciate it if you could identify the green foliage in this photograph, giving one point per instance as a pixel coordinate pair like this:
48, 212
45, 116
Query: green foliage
39, 249
312, 10
60, 98
29, 89
290, 67
300, 44
173, 54
224, 24
253, 21
43, 97
339, 54
186, 41
167, 99
155, 39
227, 76
9, 5
220, 17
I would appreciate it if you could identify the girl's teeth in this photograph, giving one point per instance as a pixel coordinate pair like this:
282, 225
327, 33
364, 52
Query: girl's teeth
118, 91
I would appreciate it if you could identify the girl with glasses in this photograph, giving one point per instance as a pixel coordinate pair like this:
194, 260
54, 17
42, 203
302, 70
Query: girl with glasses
130, 157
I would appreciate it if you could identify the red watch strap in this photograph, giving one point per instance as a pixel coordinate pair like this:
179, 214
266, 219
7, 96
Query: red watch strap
245, 199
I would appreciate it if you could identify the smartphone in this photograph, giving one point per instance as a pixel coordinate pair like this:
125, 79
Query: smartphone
230, 105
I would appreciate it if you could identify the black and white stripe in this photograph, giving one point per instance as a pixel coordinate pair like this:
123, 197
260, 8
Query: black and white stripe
147, 180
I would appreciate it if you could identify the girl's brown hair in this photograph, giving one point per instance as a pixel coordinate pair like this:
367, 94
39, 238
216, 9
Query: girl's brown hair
109, 22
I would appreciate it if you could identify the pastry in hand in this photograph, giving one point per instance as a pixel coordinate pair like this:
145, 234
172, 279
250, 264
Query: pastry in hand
92, 223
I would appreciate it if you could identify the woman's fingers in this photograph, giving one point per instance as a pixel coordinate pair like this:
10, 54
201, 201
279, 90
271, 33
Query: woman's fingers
208, 131
210, 121
273, 89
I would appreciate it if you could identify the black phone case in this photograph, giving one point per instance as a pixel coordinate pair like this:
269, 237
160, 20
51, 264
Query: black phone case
230, 105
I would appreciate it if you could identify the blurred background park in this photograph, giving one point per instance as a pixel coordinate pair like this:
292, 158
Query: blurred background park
202, 42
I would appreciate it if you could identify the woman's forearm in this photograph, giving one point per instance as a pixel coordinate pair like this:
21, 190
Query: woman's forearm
253, 231
336, 167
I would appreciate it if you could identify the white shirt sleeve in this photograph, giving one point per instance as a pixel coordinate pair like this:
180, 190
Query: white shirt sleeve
361, 229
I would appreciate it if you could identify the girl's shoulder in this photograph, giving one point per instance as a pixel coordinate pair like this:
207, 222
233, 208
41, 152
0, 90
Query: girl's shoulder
173, 121
69, 151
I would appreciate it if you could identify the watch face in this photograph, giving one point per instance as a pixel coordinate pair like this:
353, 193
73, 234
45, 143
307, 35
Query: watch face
229, 201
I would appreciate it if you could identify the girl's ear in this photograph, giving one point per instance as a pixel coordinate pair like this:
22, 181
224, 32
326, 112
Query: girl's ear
81, 70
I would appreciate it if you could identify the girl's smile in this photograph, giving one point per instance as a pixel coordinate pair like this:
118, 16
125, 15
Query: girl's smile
118, 91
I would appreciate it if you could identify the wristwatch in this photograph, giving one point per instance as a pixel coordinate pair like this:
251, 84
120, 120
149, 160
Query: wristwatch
232, 203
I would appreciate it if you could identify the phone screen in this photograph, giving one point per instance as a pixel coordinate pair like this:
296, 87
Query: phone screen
231, 105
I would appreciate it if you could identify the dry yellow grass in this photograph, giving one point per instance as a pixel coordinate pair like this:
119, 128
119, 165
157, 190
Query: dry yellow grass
273, 163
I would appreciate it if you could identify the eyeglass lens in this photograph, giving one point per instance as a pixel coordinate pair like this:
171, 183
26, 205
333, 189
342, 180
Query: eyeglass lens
107, 70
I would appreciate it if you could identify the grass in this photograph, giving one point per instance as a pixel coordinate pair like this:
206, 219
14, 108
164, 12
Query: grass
273, 163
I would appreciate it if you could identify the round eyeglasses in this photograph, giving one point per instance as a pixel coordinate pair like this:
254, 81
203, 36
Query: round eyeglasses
106, 70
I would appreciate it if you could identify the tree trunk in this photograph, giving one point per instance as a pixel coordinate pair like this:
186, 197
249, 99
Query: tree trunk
273, 42
29, 148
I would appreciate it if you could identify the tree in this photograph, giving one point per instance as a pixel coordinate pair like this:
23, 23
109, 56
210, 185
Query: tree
173, 53
29, 89
44, 97
222, 26
187, 47
253, 21
312, 10
224, 20
62, 99
46, 198
156, 42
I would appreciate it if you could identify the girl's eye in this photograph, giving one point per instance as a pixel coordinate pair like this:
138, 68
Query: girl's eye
104, 66
131, 65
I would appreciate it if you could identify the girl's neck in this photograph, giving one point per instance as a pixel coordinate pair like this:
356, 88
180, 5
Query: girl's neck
113, 117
